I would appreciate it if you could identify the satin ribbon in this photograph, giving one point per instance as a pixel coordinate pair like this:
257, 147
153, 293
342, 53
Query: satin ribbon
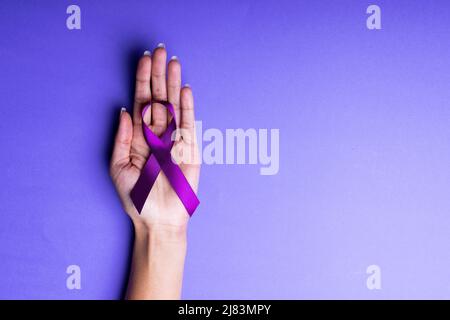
161, 159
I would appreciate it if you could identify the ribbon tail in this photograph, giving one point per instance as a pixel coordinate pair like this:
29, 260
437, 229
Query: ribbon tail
142, 188
180, 185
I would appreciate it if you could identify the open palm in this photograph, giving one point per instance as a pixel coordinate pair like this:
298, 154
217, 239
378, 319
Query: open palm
153, 82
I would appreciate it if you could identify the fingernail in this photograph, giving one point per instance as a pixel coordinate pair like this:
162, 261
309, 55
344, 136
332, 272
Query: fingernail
161, 45
174, 58
147, 53
123, 110
187, 85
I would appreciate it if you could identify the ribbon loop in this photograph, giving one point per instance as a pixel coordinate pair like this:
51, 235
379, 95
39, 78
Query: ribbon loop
160, 159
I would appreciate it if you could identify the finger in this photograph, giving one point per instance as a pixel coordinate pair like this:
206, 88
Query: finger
174, 86
187, 109
159, 91
122, 142
142, 93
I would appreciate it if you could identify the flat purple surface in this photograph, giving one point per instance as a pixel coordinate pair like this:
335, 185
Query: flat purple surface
364, 145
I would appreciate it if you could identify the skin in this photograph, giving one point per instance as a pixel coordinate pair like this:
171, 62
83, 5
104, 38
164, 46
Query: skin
160, 230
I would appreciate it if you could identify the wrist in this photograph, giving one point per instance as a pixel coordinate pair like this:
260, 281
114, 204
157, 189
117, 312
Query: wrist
160, 232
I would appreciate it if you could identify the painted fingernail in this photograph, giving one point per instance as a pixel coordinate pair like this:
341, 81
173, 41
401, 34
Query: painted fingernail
187, 85
174, 58
161, 45
123, 110
147, 53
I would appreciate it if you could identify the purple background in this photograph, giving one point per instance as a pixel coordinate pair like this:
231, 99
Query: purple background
364, 145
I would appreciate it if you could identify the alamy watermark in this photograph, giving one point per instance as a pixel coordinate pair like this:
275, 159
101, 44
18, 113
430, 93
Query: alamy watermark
73, 21
373, 22
73, 281
373, 281
231, 146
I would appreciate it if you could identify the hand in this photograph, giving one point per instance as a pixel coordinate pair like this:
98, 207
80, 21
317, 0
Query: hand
163, 208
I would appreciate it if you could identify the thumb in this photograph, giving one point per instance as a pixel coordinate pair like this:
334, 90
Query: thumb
122, 143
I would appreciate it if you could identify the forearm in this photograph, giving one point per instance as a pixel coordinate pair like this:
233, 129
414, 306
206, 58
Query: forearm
158, 262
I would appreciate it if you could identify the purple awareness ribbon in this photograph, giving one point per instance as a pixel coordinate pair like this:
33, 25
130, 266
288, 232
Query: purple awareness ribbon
161, 159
